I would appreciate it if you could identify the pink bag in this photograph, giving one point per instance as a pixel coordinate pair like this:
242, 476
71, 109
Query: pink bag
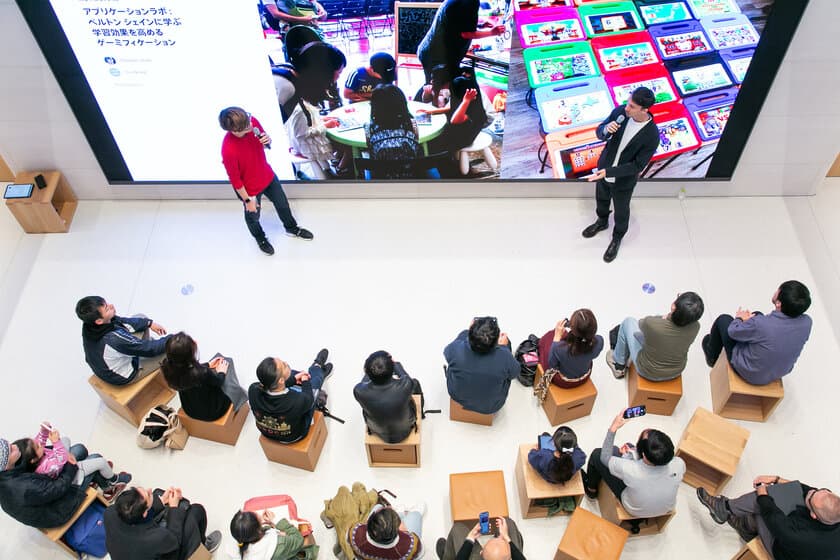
266, 502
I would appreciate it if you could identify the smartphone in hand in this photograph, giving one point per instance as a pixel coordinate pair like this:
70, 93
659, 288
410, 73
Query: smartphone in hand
484, 522
635, 411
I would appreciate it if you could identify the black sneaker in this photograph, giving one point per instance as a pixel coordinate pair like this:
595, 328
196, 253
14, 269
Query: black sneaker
265, 246
618, 370
212, 541
301, 233
745, 525
321, 357
715, 504
440, 547
590, 493
327, 369
593, 229
704, 344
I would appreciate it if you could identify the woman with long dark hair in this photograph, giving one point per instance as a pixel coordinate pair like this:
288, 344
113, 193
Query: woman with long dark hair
559, 463
570, 348
392, 131
258, 537
206, 389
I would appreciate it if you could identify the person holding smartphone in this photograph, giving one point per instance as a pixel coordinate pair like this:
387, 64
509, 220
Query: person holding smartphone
645, 480
464, 543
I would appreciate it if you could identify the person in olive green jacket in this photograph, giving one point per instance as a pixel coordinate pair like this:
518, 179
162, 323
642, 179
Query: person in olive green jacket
258, 537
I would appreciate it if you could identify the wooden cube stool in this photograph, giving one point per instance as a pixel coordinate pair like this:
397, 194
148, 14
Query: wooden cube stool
56, 534
562, 405
733, 397
403, 454
474, 492
302, 454
533, 487
458, 413
134, 400
614, 512
753, 550
224, 430
588, 537
711, 448
201, 553
659, 397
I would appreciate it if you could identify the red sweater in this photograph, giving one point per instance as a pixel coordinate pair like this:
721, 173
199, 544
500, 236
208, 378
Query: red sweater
245, 162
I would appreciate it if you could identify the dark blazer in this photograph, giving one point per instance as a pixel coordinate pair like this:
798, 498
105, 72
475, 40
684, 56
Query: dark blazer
148, 540
38, 500
636, 154
388, 409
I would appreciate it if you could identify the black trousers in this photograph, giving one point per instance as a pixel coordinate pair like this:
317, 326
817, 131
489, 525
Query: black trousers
274, 193
606, 192
719, 339
596, 471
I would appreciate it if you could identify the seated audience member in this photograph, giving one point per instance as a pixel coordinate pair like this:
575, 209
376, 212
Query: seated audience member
362, 81
145, 524
466, 117
35, 499
392, 131
462, 543
811, 530
310, 75
283, 401
201, 386
570, 348
658, 345
559, 464
480, 367
287, 13
388, 534
644, 478
307, 131
48, 452
259, 537
385, 395
763, 348
119, 350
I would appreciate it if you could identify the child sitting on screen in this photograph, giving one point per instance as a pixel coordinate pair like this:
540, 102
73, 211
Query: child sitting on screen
308, 138
392, 131
558, 462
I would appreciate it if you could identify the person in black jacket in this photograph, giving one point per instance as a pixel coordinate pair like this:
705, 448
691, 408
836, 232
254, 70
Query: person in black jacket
462, 543
385, 395
200, 386
283, 401
119, 350
146, 525
632, 138
35, 499
811, 530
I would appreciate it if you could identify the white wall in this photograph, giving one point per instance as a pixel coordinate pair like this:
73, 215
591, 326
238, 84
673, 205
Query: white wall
795, 139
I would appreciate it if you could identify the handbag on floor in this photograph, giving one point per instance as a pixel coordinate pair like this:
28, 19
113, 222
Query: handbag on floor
527, 354
162, 426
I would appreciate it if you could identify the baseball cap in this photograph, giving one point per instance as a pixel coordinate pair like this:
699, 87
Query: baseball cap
384, 65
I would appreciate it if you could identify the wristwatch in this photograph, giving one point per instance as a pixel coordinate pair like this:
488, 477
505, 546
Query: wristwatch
247, 200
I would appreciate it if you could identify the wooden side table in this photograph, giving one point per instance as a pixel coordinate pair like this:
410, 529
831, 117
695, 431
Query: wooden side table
48, 210
711, 448
472, 493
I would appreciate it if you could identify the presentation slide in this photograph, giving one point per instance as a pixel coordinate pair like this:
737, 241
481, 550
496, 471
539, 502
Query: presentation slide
162, 71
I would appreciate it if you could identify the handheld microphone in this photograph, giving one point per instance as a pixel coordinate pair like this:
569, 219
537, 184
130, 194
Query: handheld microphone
259, 134
619, 119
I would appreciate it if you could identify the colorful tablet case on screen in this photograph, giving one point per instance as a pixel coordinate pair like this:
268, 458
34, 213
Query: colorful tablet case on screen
526, 5
738, 61
549, 26
710, 111
610, 18
621, 52
730, 31
681, 39
655, 12
700, 74
574, 152
556, 63
656, 78
704, 8
676, 132
573, 104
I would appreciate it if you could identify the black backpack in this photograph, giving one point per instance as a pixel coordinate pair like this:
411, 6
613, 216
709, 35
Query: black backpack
527, 354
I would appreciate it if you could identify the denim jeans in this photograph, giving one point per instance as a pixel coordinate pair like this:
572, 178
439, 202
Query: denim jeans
317, 380
629, 342
273, 192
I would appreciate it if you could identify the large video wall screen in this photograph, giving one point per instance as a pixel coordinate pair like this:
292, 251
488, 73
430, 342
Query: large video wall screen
147, 81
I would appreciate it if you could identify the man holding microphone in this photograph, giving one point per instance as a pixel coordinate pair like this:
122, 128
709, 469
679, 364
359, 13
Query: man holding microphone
252, 177
632, 138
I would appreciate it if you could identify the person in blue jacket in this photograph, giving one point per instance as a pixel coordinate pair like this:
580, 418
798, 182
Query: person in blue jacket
119, 350
559, 463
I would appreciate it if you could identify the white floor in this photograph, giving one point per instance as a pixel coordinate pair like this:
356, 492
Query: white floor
406, 276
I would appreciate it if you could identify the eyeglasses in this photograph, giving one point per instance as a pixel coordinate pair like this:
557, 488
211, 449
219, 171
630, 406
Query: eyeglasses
809, 499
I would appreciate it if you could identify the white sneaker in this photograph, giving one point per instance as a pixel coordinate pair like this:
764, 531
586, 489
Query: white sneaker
617, 373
